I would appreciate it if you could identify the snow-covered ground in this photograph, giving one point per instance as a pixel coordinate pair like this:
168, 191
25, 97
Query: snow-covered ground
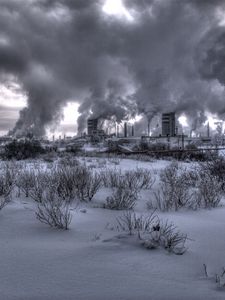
90, 261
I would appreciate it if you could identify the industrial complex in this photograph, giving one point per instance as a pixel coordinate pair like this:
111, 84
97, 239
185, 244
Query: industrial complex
125, 139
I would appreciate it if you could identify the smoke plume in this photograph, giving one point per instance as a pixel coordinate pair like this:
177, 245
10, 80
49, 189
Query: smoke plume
168, 56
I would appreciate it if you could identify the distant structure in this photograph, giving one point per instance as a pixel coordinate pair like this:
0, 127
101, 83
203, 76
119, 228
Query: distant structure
125, 129
92, 126
94, 134
132, 130
168, 124
208, 130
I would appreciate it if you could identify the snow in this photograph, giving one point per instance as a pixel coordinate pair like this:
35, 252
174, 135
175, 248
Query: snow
92, 148
91, 262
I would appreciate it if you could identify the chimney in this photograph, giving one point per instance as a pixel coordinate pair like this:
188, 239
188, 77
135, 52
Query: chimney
132, 130
208, 132
148, 133
125, 129
117, 130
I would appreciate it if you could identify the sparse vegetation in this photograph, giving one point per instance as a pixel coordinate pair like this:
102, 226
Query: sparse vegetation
26, 181
167, 236
214, 167
179, 188
152, 232
174, 190
121, 198
87, 183
54, 212
7, 183
137, 179
208, 193
132, 223
218, 278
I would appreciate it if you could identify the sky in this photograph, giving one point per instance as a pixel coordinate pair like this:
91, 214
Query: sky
62, 61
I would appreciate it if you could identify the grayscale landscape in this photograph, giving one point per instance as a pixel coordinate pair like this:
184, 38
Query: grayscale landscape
112, 149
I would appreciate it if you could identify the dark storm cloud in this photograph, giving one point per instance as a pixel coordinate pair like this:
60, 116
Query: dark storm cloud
62, 50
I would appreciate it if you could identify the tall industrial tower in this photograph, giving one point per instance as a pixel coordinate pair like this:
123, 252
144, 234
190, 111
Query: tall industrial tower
168, 124
92, 126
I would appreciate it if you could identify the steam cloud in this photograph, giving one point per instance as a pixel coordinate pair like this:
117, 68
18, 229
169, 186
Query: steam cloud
170, 56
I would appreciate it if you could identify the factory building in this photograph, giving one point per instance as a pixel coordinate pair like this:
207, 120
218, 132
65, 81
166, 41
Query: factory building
168, 124
94, 133
92, 126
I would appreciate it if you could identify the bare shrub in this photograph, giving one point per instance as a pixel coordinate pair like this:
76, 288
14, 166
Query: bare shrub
170, 174
146, 178
122, 198
6, 187
191, 177
87, 183
65, 178
174, 190
4, 200
208, 193
8, 173
111, 178
54, 211
152, 232
167, 236
137, 179
75, 182
169, 198
125, 186
10, 170
93, 183
131, 223
219, 278
214, 167
42, 180
26, 181
195, 188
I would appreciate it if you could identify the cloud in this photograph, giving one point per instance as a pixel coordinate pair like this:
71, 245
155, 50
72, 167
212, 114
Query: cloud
8, 115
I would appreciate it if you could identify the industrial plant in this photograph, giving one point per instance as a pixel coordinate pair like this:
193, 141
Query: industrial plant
125, 138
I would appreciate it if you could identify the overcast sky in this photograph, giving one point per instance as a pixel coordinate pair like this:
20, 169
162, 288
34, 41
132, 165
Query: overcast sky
114, 59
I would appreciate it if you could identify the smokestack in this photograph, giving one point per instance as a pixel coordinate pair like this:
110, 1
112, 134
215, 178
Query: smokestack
148, 128
132, 130
125, 129
117, 130
208, 132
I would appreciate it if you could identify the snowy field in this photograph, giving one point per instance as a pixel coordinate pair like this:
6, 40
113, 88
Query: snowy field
94, 261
